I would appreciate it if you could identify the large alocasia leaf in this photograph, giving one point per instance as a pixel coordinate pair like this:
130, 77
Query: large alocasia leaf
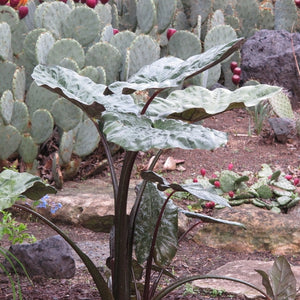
140, 133
195, 189
81, 91
14, 184
166, 243
196, 103
171, 71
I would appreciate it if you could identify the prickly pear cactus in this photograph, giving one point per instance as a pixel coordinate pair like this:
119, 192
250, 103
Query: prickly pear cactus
105, 55
285, 15
142, 51
146, 15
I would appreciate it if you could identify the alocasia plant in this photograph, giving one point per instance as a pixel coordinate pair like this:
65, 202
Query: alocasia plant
158, 123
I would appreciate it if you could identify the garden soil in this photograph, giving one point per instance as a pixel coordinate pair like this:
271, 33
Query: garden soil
246, 150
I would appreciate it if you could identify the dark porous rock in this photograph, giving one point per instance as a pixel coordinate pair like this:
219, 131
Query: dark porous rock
268, 57
265, 231
50, 258
284, 129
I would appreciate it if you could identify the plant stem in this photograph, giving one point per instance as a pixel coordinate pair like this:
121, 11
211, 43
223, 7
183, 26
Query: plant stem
122, 258
110, 161
146, 295
150, 100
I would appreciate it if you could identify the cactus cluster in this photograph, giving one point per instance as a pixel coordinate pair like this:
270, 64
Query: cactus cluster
105, 41
271, 190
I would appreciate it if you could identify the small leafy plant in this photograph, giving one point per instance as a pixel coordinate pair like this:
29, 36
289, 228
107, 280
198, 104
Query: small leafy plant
147, 239
15, 231
267, 189
13, 186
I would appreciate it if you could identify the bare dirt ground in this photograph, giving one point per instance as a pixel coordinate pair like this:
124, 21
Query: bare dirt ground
244, 151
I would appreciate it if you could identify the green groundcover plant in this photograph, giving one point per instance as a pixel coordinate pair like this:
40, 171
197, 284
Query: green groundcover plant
147, 239
13, 186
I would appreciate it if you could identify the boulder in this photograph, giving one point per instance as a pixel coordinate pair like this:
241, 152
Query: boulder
242, 270
265, 231
89, 203
50, 258
268, 57
284, 129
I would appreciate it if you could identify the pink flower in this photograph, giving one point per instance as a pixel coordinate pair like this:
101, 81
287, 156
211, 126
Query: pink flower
230, 166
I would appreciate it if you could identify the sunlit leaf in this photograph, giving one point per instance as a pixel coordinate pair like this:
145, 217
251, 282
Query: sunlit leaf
171, 71
196, 103
81, 91
140, 133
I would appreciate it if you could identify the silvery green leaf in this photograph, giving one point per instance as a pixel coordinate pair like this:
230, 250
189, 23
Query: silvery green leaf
196, 103
140, 133
171, 71
166, 242
82, 91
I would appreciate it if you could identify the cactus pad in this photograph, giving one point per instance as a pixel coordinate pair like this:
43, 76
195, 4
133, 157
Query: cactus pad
41, 125
5, 42
39, 97
54, 16
281, 105
92, 73
18, 84
69, 63
28, 149
87, 138
146, 15
285, 15
30, 42
66, 115
7, 68
191, 42
105, 55
82, 24
143, 51
9, 16
66, 146
20, 116
43, 45
104, 13
165, 13
12, 139
66, 48
264, 191
6, 106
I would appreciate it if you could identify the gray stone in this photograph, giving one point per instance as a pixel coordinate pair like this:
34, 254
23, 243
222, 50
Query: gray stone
243, 270
284, 129
265, 231
268, 57
50, 258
